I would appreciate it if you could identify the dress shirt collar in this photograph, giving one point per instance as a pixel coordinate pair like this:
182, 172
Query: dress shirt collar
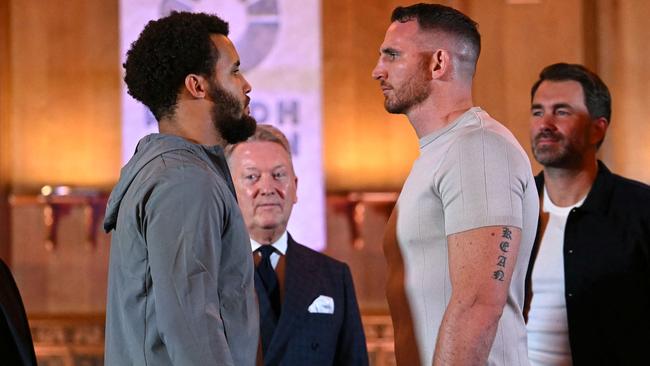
280, 245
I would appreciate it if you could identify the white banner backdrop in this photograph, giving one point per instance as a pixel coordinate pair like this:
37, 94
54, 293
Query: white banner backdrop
279, 43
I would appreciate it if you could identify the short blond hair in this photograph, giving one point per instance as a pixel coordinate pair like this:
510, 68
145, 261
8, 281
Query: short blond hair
267, 133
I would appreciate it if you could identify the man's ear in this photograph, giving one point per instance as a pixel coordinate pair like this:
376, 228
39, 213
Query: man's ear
196, 85
296, 182
599, 129
440, 65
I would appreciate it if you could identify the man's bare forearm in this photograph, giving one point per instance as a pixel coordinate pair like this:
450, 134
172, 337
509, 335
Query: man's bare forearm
466, 334
480, 276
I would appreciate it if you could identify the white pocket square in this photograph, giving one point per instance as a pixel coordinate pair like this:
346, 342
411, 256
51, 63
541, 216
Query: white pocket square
322, 305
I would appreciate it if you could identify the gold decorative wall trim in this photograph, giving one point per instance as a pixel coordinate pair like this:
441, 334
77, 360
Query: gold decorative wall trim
54, 206
355, 204
68, 340
76, 340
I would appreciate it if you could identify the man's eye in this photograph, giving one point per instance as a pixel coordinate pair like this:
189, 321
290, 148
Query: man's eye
252, 177
279, 175
536, 113
562, 112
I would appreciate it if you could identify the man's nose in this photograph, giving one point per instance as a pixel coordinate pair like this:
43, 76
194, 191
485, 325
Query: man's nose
378, 73
547, 121
247, 86
266, 185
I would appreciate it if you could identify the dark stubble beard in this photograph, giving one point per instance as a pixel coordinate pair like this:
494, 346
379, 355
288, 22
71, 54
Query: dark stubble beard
228, 116
414, 90
563, 155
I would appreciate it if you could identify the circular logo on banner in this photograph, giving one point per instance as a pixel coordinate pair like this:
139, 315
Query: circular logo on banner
254, 24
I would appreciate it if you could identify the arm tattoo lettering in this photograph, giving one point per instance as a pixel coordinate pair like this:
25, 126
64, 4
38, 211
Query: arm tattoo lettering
504, 246
507, 234
502, 261
498, 275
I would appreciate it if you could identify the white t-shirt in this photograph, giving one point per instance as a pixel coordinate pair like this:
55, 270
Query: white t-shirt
548, 331
470, 174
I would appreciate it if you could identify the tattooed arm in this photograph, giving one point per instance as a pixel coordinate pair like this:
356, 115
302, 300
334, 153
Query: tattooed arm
481, 262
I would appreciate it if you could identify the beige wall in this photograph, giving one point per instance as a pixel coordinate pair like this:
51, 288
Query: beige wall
624, 63
60, 121
64, 111
518, 41
60, 112
365, 148
60, 117
368, 149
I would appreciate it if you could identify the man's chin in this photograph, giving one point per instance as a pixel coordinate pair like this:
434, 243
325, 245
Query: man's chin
395, 109
270, 226
552, 160
240, 130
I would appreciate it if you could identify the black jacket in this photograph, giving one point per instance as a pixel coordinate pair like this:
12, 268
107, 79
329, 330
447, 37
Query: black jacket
607, 272
16, 347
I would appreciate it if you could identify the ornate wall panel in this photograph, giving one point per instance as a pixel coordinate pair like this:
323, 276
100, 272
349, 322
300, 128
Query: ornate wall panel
624, 64
64, 93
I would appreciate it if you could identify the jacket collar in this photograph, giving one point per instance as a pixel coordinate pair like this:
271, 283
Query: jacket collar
599, 195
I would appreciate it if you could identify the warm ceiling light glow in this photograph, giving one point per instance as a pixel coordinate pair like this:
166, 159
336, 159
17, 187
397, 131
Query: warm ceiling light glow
46, 190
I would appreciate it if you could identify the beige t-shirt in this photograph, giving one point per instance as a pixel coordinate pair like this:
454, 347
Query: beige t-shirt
470, 174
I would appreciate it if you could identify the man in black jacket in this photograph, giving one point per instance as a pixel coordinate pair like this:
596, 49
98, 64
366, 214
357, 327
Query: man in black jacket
588, 283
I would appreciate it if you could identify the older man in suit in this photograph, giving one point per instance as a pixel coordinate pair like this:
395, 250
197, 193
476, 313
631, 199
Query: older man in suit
308, 309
